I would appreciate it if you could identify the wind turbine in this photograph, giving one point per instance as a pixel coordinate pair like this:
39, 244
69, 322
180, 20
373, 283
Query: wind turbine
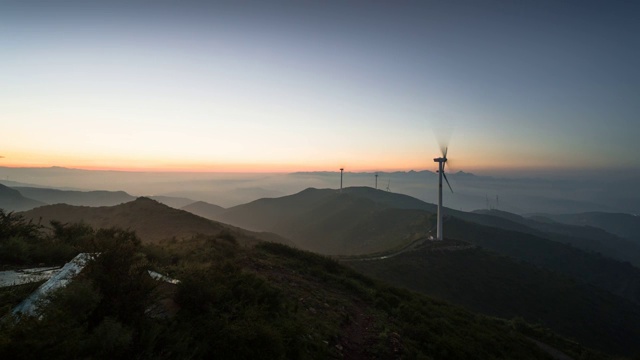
441, 163
376, 181
341, 171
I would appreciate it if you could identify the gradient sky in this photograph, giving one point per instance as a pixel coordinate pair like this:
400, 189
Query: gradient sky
316, 85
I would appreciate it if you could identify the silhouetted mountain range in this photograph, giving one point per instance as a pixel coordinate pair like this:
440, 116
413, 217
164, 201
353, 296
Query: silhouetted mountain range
472, 192
13, 200
151, 220
72, 197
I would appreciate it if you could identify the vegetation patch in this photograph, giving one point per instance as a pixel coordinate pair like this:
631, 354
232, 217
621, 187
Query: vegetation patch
233, 301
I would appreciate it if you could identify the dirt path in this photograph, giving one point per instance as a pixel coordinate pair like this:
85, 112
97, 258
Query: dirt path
409, 247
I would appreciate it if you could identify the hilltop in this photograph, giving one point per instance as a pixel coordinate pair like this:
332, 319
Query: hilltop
151, 220
328, 221
362, 220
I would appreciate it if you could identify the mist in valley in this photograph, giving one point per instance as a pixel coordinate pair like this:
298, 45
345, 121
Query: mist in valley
535, 193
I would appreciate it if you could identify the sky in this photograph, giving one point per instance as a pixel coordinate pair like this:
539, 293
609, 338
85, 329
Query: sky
280, 86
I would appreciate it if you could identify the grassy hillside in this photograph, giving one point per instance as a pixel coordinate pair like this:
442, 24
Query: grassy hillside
327, 221
498, 286
12, 200
619, 278
151, 220
356, 221
583, 236
267, 301
624, 225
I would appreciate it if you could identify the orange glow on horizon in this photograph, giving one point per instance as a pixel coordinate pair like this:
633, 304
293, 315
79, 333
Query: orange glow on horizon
144, 165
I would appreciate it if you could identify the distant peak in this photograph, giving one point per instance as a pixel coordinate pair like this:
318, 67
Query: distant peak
146, 200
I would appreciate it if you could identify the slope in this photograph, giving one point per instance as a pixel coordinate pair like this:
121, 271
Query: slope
364, 220
12, 200
624, 225
204, 209
267, 301
619, 278
355, 221
151, 220
332, 222
498, 286
583, 236
174, 202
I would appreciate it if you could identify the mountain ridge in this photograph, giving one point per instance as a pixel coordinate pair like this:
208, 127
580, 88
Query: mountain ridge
151, 220
13, 200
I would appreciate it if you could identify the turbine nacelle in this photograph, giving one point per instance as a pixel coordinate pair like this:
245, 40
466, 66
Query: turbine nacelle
440, 160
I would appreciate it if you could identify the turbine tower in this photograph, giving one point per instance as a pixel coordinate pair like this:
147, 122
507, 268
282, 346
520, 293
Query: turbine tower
341, 171
376, 181
441, 163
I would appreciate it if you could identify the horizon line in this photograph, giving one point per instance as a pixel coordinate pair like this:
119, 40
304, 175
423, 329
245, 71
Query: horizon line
480, 171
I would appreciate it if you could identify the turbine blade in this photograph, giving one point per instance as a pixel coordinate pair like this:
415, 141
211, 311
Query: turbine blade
444, 151
442, 126
447, 180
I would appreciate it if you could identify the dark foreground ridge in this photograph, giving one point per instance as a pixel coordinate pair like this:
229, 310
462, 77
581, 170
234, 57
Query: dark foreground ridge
262, 301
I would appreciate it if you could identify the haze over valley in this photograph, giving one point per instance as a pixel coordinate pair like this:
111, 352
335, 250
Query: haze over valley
320, 180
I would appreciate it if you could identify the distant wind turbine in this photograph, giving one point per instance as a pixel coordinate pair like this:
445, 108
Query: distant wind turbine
376, 181
441, 164
388, 184
341, 171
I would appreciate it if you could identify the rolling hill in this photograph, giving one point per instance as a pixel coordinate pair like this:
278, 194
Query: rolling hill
363, 220
154, 222
333, 222
13, 200
583, 235
246, 302
151, 220
328, 221
624, 225
498, 286
617, 277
